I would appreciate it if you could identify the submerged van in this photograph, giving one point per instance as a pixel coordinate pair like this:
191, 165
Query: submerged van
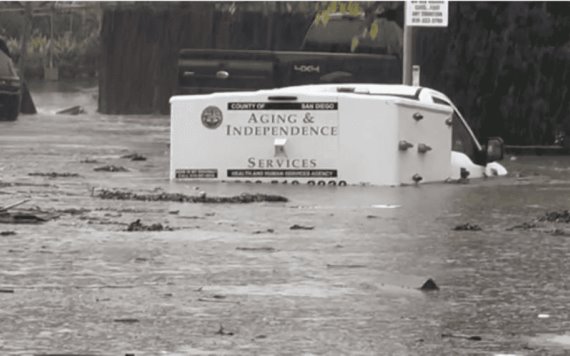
327, 134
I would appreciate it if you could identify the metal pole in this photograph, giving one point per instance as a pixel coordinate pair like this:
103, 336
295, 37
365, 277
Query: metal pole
51, 38
407, 55
26, 32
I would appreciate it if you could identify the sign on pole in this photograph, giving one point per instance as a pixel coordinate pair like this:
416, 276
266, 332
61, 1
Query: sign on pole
420, 13
427, 13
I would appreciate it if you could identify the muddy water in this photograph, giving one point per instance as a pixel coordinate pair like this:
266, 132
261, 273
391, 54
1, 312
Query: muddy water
235, 279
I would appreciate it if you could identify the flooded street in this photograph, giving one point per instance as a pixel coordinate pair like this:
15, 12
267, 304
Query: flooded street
235, 279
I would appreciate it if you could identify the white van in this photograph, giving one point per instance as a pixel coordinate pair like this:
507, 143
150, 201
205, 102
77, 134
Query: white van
327, 134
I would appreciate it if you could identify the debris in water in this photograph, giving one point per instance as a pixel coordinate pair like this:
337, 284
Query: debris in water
6, 290
74, 110
89, 161
467, 337
385, 206
94, 220
467, 227
217, 300
53, 174
192, 217
138, 226
543, 316
556, 216
301, 227
182, 198
429, 285
74, 211
127, 320
261, 249
222, 332
7, 233
135, 157
25, 217
457, 181
560, 232
110, 215
13, 205
111, 168
345, 266
523, 226
270, 231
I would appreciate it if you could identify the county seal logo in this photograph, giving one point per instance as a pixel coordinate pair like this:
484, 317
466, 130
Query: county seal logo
212, 117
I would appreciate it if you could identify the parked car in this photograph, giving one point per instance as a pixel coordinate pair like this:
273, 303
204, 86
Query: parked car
10, 89
325, 56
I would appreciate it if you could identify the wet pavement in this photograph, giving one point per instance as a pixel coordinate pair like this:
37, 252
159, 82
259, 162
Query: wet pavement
235, 279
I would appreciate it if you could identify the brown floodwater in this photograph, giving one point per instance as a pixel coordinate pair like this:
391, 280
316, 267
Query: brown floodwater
236, 280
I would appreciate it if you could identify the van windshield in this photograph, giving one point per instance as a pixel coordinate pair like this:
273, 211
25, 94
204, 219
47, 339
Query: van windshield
461, 139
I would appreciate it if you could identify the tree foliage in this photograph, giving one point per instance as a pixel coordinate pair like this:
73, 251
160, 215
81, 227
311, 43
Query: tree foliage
507, 65
375, 28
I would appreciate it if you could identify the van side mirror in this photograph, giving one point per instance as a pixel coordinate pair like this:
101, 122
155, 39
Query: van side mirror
494, 149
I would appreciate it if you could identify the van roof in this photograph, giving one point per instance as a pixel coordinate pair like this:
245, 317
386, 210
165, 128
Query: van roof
421, 94
400, 90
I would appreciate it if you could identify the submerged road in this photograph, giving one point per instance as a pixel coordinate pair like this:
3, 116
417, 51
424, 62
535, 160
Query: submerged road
235, 279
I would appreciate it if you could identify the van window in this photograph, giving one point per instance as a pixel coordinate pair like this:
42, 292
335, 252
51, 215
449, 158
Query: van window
461, 139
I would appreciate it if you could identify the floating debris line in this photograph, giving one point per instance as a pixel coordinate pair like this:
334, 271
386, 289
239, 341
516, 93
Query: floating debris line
111, 168
556, 216
53, 174
139, 226
182, 198
134, 157
467, 227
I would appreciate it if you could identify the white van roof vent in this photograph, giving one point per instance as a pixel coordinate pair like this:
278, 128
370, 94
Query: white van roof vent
353, 90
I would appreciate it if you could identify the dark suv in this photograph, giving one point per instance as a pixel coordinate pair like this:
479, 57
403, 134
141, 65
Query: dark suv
10, 93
